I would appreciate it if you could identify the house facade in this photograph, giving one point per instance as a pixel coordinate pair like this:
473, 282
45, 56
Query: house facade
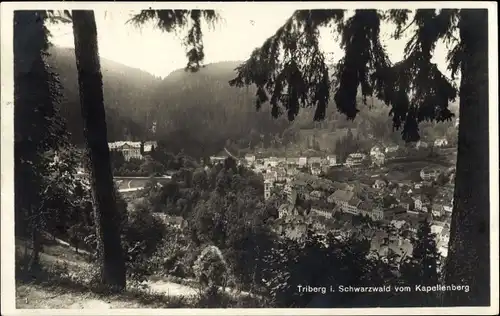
332, 160
250, 159
130, 150
302, 161
391, 149
355, 159
441, 142
315, 169
268, 185
378, 159
345, 201
429, 174
375, 150
420, 144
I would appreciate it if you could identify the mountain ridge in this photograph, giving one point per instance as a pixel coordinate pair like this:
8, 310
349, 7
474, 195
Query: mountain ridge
199, 113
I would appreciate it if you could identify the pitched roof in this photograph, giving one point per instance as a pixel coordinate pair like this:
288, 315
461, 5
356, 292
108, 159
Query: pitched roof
119, 144
342, 195
355, 201
366, 206
341, 186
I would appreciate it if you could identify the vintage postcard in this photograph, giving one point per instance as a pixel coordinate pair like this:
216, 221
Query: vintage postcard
284, 158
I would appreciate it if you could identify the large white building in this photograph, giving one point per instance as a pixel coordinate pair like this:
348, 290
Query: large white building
132, 150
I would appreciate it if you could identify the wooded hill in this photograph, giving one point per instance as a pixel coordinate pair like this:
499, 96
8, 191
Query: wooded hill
199, 113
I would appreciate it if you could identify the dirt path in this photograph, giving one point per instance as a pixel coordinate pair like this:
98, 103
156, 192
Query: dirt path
171, 289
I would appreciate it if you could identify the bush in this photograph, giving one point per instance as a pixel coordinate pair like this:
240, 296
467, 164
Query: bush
142, 235
172, 256
211, 270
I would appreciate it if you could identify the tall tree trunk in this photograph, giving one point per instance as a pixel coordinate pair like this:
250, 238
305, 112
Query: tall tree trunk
107, 218
33, 104
36, 245
468, 261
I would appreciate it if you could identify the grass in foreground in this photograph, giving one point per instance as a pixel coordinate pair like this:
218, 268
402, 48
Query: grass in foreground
68, 280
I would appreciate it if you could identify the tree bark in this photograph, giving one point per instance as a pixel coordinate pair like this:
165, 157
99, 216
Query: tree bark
34, 264
468, 261
33, 104
107, 219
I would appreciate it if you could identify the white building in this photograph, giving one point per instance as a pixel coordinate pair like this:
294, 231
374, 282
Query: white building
378, 159
327, 214
250, 159
130, 150
355, 159
270, 175
379, 184
375, 150
447, 209
428, 174
345, 200
391, 149
217, 159
268, 185
150, 146
421, 144
442, 142
314, 160
302, 161
315, 169
332, 160
271, 162
281, 174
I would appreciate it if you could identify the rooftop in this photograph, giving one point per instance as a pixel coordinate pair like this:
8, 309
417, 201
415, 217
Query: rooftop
342, 195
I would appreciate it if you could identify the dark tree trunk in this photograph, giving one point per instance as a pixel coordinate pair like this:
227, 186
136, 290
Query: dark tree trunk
36, 245
33, 104
468, 261
106, 216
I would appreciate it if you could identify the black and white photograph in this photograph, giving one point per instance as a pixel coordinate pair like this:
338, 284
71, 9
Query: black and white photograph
249, 157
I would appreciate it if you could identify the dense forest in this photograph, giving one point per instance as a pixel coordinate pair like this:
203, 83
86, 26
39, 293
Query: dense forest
199, 113
127, 93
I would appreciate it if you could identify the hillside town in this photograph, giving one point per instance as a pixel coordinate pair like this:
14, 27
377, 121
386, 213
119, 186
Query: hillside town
393, 201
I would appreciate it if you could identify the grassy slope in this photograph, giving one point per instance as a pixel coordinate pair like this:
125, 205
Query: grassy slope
54, 289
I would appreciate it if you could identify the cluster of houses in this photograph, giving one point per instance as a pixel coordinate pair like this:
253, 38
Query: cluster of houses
403, 204
133, 150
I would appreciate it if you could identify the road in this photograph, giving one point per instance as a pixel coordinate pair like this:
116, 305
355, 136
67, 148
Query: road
130, 184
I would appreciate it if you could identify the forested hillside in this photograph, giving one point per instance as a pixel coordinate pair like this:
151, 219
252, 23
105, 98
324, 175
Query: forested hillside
199, 113
127, 96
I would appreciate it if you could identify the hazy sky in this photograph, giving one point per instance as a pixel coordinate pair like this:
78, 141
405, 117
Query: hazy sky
243, 30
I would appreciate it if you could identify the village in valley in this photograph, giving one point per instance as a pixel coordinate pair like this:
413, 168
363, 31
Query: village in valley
382, 195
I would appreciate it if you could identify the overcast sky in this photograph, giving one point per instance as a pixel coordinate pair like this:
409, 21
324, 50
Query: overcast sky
243, 30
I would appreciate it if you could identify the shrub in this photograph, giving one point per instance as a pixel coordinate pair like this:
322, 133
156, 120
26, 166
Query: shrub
211, 270
142, 235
